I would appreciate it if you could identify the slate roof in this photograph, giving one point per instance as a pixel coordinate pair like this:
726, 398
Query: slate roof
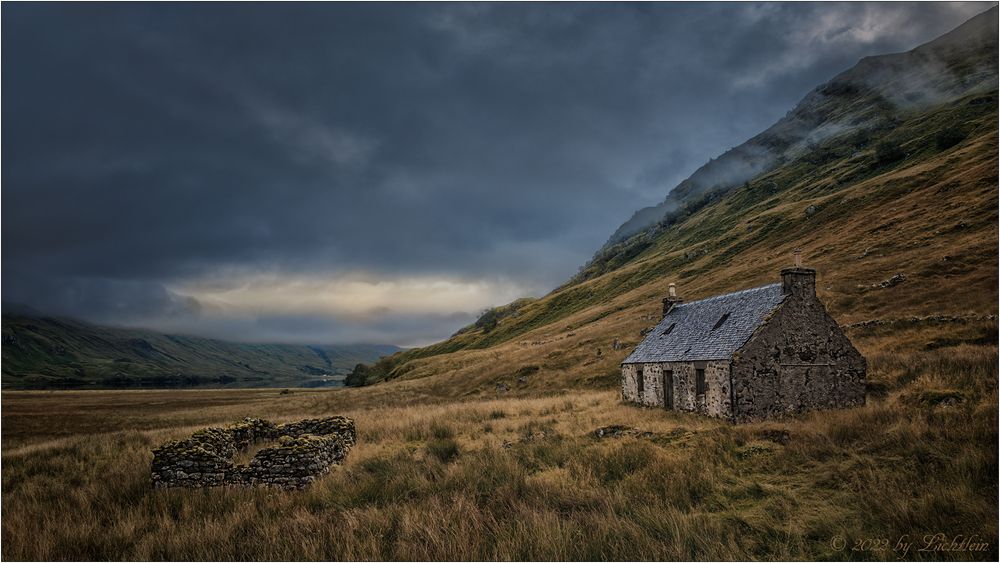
694, 335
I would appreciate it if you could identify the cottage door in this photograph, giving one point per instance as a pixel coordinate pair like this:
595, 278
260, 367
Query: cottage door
668, 389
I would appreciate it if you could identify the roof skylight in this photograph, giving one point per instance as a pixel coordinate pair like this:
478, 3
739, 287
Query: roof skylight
722, 320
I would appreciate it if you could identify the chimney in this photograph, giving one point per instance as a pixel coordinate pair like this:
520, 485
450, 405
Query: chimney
671, 299
798, 280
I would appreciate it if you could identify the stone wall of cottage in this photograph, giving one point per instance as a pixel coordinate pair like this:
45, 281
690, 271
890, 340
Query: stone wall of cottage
714, 402
630, 390
800, 360
305, 450
652, 388
716, 399
652, 384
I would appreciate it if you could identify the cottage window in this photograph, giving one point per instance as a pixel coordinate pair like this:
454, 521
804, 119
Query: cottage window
639, 381
722, 319
669, 329
699, 381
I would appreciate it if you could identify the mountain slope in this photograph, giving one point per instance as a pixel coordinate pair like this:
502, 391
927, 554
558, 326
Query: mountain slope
908, 186
42, 351
861, 98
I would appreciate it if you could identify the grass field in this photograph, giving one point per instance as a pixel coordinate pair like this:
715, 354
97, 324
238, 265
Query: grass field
522, 476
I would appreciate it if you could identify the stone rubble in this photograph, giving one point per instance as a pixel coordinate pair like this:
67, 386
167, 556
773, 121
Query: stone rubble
930, 319
891, 282
618, 431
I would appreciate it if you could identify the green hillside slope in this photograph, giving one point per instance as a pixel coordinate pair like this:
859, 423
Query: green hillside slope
863, 98
41, 351
890, 168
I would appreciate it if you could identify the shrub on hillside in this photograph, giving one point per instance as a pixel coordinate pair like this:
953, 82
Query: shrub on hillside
948, 138
364, 374
441, 432
444, 449
358, 376
489, 318
886, 152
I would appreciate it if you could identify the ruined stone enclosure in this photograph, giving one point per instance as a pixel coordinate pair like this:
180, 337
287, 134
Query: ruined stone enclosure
304, 451
750, 355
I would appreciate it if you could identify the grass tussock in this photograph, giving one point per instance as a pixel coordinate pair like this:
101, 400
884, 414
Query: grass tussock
431, 482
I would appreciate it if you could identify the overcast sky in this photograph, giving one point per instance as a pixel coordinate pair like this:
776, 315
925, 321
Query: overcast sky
344, 173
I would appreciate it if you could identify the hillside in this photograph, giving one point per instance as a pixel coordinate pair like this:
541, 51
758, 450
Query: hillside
886, 172
42, 351
863, 98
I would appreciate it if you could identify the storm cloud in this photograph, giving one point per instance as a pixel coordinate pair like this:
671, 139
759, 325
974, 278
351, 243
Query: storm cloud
260, 171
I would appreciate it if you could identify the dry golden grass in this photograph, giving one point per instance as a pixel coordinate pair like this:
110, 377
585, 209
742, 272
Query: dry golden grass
522, 477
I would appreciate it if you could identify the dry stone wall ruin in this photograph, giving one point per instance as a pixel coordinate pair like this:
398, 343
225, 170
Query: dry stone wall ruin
305, 450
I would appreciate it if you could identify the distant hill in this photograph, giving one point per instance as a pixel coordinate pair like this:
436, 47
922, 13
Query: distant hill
43, 352
885, 177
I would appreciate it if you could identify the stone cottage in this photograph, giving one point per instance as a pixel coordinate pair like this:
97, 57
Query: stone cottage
748, 355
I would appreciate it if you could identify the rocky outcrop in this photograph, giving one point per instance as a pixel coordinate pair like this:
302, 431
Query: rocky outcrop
305, 450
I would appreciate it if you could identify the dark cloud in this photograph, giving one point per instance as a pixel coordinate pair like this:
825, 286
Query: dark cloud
149, 146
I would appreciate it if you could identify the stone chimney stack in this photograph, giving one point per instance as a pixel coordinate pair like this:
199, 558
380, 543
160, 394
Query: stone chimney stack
798, 280
671, 299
